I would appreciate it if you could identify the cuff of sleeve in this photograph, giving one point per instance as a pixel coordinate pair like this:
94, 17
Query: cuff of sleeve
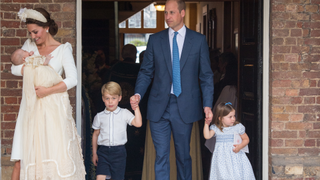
70, 84
93, 127
131, 121
138, 94
16, 70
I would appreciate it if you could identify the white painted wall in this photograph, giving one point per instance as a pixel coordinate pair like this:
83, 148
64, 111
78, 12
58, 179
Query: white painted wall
219, 11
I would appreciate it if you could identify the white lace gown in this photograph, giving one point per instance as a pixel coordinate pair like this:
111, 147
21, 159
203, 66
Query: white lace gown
50, 143
45, 139
226, 164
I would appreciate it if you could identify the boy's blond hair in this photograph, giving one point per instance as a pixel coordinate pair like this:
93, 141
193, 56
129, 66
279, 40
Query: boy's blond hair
111, 88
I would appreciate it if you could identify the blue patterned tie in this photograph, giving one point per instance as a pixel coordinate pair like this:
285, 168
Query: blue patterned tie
176, 67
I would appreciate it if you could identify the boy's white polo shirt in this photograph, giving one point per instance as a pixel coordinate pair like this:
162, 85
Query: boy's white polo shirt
113, 126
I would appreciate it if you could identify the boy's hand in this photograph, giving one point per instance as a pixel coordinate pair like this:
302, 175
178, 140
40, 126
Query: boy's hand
236, 148
31, 53
48, 57
95, 159
134, 101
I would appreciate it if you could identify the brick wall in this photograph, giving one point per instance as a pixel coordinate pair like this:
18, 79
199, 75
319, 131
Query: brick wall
13, 35
295, 90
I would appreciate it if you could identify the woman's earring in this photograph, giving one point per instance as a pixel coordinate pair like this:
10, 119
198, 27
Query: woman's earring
47, 30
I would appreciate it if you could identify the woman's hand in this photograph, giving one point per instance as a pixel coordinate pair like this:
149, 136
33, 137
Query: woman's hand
41, 91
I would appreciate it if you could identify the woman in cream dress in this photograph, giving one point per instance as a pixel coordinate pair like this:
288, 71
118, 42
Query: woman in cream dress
46, 144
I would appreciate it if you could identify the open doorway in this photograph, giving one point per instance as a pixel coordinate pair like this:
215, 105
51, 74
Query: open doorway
244, 39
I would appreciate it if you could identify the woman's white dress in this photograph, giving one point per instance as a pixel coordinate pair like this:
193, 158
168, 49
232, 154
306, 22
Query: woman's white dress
45, 139
226, 164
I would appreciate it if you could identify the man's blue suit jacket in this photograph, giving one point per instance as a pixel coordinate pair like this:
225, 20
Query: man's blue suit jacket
196, 76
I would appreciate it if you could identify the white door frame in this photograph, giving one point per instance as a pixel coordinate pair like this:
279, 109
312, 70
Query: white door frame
265, 90
265, 83
79, 64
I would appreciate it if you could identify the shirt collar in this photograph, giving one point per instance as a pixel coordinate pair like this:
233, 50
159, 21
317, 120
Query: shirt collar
181, 31
115, 111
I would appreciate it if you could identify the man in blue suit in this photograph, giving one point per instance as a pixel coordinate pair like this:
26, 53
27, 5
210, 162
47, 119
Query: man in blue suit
177, 59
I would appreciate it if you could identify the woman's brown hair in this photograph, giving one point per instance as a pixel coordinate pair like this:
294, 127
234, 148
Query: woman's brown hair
53, 27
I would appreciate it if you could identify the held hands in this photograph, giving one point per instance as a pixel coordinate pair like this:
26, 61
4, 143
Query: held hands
95, 159
209, 115
134, 101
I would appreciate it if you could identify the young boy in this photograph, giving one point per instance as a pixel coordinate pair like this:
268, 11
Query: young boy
110, 133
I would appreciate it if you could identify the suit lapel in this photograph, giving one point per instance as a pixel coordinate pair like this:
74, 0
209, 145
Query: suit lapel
186, 48
166, 50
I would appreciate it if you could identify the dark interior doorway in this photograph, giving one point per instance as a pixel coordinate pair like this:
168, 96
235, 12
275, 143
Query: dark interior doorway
250, 96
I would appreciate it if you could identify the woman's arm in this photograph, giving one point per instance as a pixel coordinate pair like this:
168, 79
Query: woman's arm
69, 67
207, 133
71, 75
17, 70
43, 91
245, 141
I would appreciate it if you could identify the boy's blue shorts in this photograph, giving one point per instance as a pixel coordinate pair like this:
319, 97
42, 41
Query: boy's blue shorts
112, 161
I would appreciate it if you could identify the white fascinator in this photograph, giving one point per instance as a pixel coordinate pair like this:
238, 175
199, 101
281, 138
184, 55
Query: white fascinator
25, 13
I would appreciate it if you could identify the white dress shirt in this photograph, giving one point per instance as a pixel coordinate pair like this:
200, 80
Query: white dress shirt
113, 126
180, 40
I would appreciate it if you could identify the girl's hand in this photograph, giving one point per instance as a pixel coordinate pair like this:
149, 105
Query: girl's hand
236, 148
41, 91
208, 121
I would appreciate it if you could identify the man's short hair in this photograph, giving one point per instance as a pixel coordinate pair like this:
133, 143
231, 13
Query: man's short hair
111, 88
181, 4
129, 51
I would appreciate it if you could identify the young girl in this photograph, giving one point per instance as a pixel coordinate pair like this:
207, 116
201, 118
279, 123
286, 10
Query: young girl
228, 162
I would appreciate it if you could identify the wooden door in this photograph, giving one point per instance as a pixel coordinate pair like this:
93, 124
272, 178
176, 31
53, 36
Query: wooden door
250, 89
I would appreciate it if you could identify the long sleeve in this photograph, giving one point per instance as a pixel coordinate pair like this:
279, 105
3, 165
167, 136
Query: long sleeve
69, 67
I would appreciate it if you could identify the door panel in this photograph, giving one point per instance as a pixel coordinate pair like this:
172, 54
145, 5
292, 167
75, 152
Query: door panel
251, 79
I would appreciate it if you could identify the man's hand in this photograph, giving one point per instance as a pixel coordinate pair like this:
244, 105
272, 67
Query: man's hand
209, 115
134, 101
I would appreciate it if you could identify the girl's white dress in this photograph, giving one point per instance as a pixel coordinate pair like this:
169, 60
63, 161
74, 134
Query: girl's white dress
226, 164
45, 139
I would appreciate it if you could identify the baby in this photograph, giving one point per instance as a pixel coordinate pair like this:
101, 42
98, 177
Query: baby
21, 56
